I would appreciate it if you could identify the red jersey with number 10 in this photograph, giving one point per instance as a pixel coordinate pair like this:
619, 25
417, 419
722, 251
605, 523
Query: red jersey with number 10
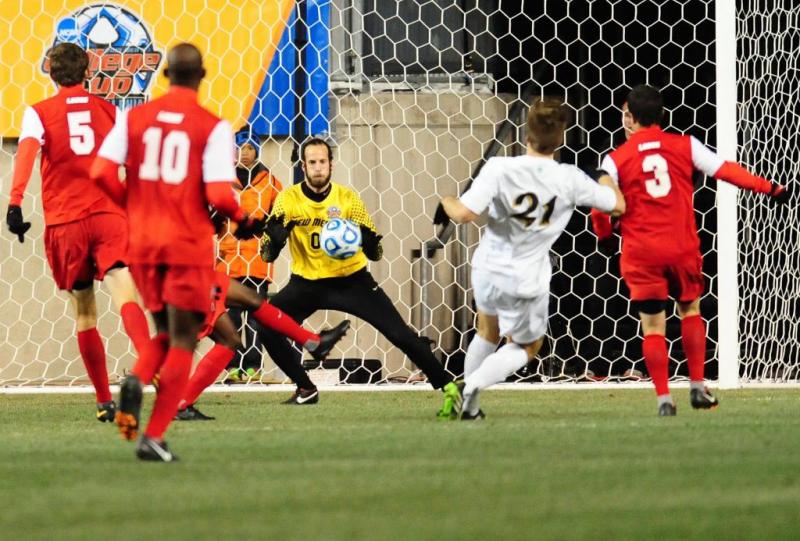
654, 171
70, 127
171, 146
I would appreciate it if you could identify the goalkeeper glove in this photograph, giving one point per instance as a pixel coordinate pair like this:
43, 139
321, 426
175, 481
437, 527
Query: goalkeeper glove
779, 193
15, 223
275, 236
249, 227
371, 243
440, 217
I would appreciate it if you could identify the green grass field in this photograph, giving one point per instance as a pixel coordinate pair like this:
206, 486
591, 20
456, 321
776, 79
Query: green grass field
545, 465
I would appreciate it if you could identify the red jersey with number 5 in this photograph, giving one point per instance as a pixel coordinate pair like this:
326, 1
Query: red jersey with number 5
654, 171
170, 147
70, 127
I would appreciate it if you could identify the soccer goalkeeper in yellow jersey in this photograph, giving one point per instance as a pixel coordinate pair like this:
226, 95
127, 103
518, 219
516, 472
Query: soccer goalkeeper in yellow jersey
319, 282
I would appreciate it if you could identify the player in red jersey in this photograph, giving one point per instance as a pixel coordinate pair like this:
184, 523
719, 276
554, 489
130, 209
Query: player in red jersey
220, 328
660, 247
179, 159
86, 235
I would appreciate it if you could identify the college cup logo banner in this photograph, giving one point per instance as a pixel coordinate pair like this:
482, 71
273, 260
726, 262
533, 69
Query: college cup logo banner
122, 56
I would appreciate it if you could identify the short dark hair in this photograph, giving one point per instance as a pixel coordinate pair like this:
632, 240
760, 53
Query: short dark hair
315, 141
547, 120
68, 63
646, 105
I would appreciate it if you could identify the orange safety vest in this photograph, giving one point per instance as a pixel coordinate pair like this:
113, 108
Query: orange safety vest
240, 258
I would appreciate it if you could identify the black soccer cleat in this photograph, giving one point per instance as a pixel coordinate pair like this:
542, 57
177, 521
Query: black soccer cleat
667, 409
154, 451
190, 413
302, 397
106, 411
701, 399
329, 338
130, 405
466, 416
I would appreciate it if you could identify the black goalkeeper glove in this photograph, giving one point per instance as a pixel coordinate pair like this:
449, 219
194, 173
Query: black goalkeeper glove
440, 217
15, 222
371, 243
779, 194
249, 227
275, 236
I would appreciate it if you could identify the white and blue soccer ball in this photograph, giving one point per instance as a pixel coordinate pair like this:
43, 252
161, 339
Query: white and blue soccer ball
340, 239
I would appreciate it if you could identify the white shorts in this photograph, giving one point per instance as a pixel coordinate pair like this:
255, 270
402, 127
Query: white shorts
523, 319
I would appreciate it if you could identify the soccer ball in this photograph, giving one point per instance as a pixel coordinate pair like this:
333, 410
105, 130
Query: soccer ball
340, 239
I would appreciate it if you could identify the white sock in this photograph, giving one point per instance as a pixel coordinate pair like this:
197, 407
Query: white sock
496, 368
478, 350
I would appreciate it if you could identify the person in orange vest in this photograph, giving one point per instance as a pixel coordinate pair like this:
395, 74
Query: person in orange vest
257, 190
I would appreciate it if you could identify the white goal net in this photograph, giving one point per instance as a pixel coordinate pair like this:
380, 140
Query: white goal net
413, 95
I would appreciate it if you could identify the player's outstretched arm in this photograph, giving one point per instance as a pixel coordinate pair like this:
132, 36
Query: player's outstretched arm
453, 209
708, 162
23, 167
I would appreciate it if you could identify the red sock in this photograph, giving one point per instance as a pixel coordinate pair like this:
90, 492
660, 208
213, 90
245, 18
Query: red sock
151, 357
206, 373
275, 319
693, 333
135, 323
172, 380
656, 359
94, 359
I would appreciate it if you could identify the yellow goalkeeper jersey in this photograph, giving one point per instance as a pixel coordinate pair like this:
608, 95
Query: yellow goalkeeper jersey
308, 258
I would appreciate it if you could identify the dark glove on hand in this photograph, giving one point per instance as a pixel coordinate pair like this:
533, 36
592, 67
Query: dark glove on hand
440, 217
219, 221
15, 223
250, 227
779, 194
371, 243
275, 236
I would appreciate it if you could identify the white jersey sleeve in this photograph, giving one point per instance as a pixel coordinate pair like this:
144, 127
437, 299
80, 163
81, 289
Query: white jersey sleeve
32, 127
588, 193
484, 188
218, 157
610, 167
115, 145
704, 159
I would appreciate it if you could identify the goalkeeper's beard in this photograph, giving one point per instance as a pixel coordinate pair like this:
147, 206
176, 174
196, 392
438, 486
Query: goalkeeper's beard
319, 184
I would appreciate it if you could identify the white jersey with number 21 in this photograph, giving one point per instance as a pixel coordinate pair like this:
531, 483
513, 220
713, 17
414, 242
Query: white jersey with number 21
530, 200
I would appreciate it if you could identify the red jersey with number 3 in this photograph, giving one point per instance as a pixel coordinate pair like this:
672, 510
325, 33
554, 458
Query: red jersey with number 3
70, 127
170, 147
654, 171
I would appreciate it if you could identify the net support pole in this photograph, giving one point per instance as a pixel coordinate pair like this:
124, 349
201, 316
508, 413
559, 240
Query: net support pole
727, 212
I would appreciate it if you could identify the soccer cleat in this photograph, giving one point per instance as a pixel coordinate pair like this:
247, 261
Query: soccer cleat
453, 401
466, 416
106, 411
130, 404
235, 375
302, 397
328, 338
190, 413
701, 399
154, 451
667, 409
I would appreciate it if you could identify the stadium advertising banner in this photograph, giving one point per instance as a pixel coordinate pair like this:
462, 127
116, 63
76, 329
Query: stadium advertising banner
248, 46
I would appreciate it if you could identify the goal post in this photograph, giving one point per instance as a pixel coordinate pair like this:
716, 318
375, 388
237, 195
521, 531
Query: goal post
727, 196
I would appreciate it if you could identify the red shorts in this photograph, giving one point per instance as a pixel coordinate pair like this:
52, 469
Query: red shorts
683, 281
84, 250
186, 287
221, 283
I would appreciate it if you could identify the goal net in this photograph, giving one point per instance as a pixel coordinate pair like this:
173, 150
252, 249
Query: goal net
414, 96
